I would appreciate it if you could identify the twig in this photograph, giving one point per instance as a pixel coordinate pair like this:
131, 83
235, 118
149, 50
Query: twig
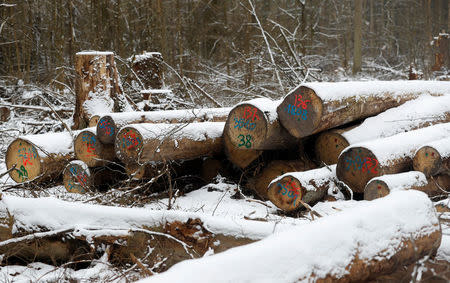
9, 170
141, 266
57, 116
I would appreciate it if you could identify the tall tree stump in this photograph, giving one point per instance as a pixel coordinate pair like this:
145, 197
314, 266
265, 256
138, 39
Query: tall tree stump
313, 107
148, 67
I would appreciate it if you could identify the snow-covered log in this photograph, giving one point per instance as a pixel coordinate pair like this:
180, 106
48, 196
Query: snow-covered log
309, 186
314, 107
415, 114
361, 162
97, 87
90, 150
141, 143
109, 124
355, 245
41, 157
239, 157
261, 181
254, 124
433, 158
413, 180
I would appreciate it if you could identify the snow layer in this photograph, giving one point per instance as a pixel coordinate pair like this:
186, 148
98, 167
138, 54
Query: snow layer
403, 181
331, 91
326, 246
266, 105
124, 118
193, 131
442, 146
319, 176
95, 53
400, 119
404, 144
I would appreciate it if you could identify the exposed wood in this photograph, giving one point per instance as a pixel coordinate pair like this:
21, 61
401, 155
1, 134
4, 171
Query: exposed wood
358, 164
433, 158
314, 107
39, 157
90, 150
97, 87
148, 67
308, 186
109, 125
382, 186
93, 121
254, 125
239, 157
330, 144
141, 143
5, 113
261, 181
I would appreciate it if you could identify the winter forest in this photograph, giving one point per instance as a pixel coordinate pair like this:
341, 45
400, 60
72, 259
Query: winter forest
224, 141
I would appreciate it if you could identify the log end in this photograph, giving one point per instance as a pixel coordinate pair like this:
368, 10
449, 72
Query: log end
89, 149
25, 157
300, 112
247, 127
128, 145
329, 146
93, 121
427, 160
77, 177
106, 130
376, 189
286, 193
356, 167
239, 157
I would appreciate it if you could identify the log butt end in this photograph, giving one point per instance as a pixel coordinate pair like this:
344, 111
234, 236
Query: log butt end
376, 189
128, 145
427, 160
329, 146
93, 121
300, 112
286, 193
106, 130
25, 157
77, 177
239, 157
89, 149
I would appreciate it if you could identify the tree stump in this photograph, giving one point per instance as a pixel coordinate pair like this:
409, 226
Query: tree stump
361, 162
254, 125
313, 107
433, 158
97, 87
90, 150
148, 67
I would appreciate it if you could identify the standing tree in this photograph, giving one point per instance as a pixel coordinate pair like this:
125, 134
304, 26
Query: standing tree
357, 40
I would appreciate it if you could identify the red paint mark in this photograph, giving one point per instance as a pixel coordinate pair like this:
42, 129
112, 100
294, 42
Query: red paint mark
432, 154
379, 187
250, 112
300, 102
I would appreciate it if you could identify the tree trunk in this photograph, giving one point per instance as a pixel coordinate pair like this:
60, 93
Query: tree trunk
254, 125
412, 115
413, 180
309, 186
109, 125
92, 151
314, 107
97, 87
358, 164
39, 157
433, 158
141, 143
357, 36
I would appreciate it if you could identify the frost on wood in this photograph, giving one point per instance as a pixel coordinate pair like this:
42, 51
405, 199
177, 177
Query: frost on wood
314, 107
357, 244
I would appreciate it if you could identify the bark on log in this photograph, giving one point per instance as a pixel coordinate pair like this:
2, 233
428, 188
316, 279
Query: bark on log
381, 186
372, 239
148, 67
261, 181
254, 124
39, 157
5, 113
419, 113
241, 158
361, 162
97, 87
109, 125
433, 158
143, 143
314, 107
308, 186
92, 151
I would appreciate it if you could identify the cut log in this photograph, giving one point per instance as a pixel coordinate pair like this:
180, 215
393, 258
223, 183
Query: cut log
254, 124
97, 87
109, 124
415, 114
308, 186
261, 181
143, 143
241, 158
79, 178
148, 67
92, 151
361, 162
313, 107
93, 121
413, 180
368, 240
433, 158
39, 157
